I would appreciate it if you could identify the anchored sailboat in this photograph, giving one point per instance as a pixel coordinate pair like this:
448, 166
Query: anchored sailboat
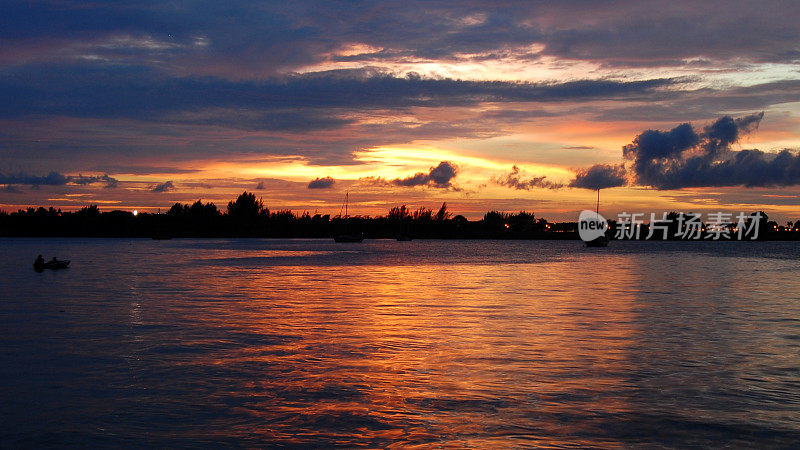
601, 241
348, 235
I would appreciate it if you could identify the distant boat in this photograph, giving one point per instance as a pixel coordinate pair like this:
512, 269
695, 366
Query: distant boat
358, 237
349, 235
52, 265
601, 241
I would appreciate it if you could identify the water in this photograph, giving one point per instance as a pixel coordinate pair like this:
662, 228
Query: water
466, 343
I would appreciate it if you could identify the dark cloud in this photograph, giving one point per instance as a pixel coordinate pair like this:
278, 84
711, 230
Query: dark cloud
51, 179
260, 186
660, 144
281, 119
419, 179
689, 157
84, 180
515, 180
321, 183
292, 103
443, 173
168, 114
440, 176
599, 176
725, 131
247, 39
10, 189
57, 179
686, 157
163, 187
700, 104
143, 170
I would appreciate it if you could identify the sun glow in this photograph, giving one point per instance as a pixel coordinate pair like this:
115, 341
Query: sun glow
389, 162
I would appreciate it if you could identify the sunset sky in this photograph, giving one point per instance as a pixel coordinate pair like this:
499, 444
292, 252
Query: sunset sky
484, 105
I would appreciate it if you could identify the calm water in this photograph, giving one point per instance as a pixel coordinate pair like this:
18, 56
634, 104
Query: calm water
478, 343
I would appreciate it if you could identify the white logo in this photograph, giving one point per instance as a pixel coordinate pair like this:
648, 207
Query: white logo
591, 225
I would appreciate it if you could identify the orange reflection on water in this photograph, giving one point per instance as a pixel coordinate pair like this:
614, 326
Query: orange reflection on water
424, 343
469, 354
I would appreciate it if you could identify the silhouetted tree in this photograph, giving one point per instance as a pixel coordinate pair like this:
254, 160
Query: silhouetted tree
399, 213
88, 211
442, 214
494, 221
422, 214
247, 207
523, 222
178, 210
204, 210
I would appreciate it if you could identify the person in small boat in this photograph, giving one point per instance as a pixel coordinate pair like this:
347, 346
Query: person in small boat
39, 261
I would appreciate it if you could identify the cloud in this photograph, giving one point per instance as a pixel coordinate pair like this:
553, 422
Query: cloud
244, 39
294, 102
84, 180
51, 179
143, 170
514, 180
443, 173
725, 131
321, 183
324, 117
439, 177
599, 176
10, 189
260, 186
635, 36
688, 157
419, 179
163, 187
57, 179
654, 144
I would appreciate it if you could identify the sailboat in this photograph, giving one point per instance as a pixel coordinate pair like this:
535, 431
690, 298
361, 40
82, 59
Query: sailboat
601, 241
348, 235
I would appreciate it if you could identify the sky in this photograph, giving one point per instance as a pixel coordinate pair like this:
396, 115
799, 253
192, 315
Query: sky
508, 106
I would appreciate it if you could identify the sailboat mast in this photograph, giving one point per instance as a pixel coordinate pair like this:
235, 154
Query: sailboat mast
597, 209
346, 199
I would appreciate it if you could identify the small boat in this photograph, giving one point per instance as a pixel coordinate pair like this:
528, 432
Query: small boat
601, 241
52, 265
348, 235
358, 237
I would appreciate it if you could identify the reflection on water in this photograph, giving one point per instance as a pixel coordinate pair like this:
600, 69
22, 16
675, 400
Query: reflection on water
483, 344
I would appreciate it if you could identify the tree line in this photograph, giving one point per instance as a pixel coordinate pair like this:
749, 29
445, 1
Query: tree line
247, 216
